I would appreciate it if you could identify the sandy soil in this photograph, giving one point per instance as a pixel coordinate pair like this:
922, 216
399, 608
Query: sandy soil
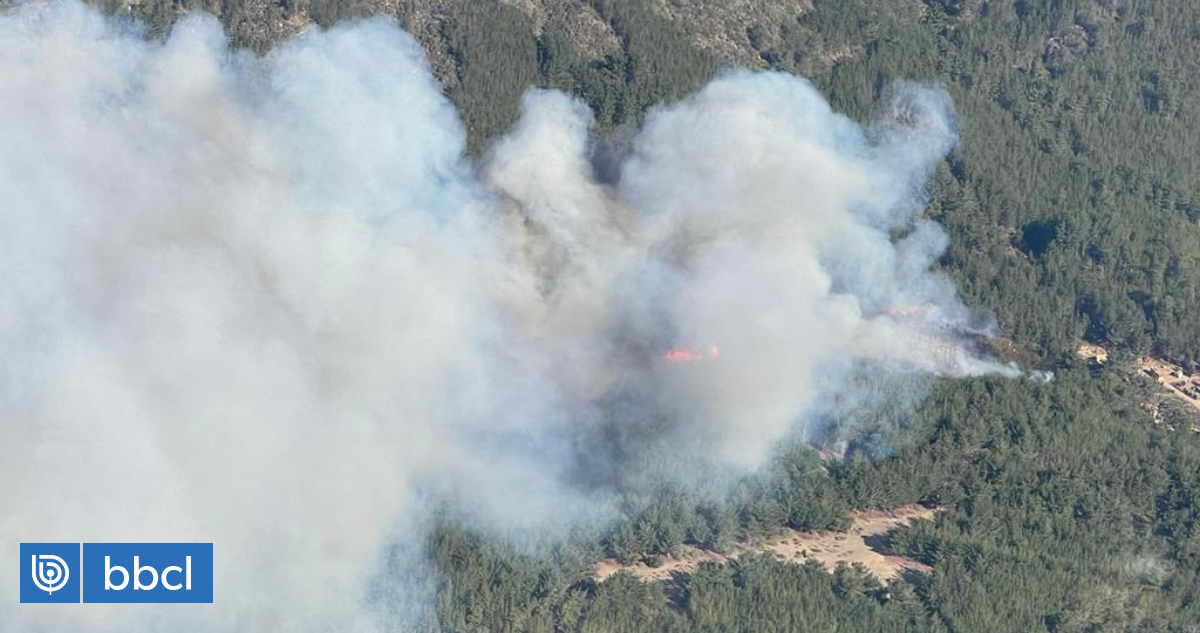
828, 548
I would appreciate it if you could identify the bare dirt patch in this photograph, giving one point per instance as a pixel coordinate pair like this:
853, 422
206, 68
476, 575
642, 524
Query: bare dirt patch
859, 544
1092, 352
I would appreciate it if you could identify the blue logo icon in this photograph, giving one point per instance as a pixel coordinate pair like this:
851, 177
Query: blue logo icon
49, 572
117, 572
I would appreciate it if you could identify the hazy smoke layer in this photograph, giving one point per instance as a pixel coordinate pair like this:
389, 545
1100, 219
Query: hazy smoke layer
265, 302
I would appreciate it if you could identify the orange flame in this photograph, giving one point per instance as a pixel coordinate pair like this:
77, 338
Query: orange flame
685, 355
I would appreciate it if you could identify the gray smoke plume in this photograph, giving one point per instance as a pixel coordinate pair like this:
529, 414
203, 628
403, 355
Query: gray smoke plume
267, 302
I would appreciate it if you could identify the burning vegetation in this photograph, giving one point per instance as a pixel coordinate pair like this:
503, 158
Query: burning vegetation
687, 356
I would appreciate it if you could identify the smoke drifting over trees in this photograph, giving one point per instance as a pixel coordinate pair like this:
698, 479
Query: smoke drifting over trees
266, 302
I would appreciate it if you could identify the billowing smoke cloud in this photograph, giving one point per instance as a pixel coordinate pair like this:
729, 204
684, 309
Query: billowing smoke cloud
267, 303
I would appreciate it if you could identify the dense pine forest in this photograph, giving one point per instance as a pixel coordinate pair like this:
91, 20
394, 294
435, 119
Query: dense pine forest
1073, 207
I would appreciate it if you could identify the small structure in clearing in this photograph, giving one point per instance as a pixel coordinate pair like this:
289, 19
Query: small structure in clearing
856, 545
1171, 376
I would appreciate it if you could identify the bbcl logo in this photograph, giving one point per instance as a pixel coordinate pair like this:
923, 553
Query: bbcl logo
50, 572
117, 572
109, 569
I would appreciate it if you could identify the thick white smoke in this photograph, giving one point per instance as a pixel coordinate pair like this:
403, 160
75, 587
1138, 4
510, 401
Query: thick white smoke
267, 303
